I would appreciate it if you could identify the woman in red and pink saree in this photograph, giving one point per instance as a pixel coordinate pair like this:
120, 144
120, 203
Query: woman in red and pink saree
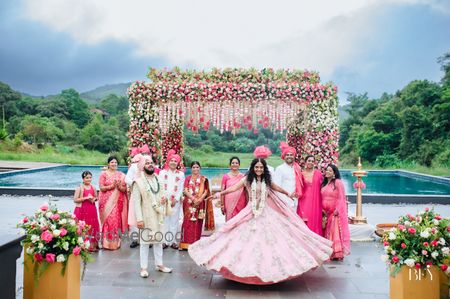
197, 207
234, 202
113, 205
310, 203
335, 207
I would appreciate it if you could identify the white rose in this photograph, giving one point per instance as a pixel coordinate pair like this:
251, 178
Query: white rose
441, 241
384, 258
60, 258
34, 238
87, 244
445, 250
40, 245
30, 250
52, 227
63, 221
48, 214
80, 241
435, 222
56, 233
434, 254
392, 236
410, 262
72, 222
425, 234
393, 252
66, 246
407, 223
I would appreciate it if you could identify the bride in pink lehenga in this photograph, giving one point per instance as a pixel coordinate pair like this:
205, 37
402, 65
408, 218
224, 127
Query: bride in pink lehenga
267, 242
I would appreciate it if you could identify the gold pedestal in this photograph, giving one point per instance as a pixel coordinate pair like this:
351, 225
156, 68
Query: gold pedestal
411, 283
52, 284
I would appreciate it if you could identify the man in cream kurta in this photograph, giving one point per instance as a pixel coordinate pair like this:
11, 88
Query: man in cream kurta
151, 209
172, 181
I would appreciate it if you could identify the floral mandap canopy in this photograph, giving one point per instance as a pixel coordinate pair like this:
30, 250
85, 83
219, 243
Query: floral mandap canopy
235, 99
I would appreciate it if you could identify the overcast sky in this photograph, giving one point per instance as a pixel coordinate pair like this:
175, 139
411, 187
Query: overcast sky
362, 46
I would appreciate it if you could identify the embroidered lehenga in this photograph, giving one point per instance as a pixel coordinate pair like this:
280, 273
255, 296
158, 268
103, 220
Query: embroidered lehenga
265, 243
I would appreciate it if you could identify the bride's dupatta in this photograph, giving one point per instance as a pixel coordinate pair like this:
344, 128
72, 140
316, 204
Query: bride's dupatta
232, 199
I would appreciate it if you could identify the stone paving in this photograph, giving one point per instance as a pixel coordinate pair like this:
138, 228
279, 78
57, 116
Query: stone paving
115, 274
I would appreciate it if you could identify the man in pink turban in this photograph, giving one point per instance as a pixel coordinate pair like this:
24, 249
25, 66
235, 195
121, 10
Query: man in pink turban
263, 152
172, 181
289, 175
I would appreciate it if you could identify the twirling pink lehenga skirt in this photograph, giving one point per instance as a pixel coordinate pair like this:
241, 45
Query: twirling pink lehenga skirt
268, 249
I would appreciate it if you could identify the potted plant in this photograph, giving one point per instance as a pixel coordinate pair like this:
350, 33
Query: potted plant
417, 253
55, 244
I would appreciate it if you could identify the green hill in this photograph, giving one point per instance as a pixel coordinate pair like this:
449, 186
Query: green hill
97, 94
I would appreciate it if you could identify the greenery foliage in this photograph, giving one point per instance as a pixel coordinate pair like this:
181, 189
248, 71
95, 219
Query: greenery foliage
413, 125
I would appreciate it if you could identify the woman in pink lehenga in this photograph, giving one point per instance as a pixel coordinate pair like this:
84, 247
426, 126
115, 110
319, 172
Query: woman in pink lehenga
113, 205
310, 203
233, 202
85, 197
335, 207
266, 242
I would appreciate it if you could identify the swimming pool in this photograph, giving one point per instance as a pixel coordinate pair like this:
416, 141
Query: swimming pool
378, 182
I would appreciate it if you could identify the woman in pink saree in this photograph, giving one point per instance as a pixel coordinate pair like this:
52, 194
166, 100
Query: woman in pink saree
335, 207
310, 203
113, 205
267, 242
232, 203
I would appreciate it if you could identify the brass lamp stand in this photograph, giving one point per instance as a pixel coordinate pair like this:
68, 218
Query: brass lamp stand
359, 218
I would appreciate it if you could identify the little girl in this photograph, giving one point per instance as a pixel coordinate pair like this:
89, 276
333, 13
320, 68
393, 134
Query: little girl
85, 197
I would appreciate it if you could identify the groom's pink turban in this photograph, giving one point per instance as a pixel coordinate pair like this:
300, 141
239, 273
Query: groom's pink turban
285, 148
172, 155
262, 152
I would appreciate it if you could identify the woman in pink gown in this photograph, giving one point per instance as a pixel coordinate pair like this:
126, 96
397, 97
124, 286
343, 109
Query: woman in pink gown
232, 203
335, 207
113, 205
266, 242
310, 203
85, 197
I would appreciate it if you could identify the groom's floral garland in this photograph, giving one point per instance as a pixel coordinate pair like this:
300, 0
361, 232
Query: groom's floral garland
257, 209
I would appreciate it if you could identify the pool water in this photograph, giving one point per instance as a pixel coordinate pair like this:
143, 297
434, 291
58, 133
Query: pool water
377, 182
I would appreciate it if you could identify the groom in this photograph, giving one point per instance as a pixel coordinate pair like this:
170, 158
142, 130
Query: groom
150, 209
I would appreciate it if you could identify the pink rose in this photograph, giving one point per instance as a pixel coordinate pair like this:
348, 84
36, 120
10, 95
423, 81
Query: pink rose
448, 228
25, 220
395, 259
418, 266
55, 217
50, 257
76, 250
434, 243
444, 267
425, 244
63, 232
38, 257
411, 230
429, 263
44, 207
403, 245
386, 243
438, 217
427, 209
401, 227
46, 236
424, 252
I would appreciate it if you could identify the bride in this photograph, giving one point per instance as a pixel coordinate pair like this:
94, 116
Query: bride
266, 242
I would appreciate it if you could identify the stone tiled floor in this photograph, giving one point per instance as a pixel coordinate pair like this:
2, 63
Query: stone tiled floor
115, 274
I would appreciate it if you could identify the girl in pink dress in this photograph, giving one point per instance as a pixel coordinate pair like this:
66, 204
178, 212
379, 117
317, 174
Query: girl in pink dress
85, 197
113, 205
266, 242
232, 203
310, 203
335, 207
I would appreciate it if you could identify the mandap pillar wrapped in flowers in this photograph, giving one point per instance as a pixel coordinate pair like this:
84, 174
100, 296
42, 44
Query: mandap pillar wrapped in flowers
288, 101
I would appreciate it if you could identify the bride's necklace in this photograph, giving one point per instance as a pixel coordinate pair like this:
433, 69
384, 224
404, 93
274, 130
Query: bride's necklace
150, 185
257, 209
